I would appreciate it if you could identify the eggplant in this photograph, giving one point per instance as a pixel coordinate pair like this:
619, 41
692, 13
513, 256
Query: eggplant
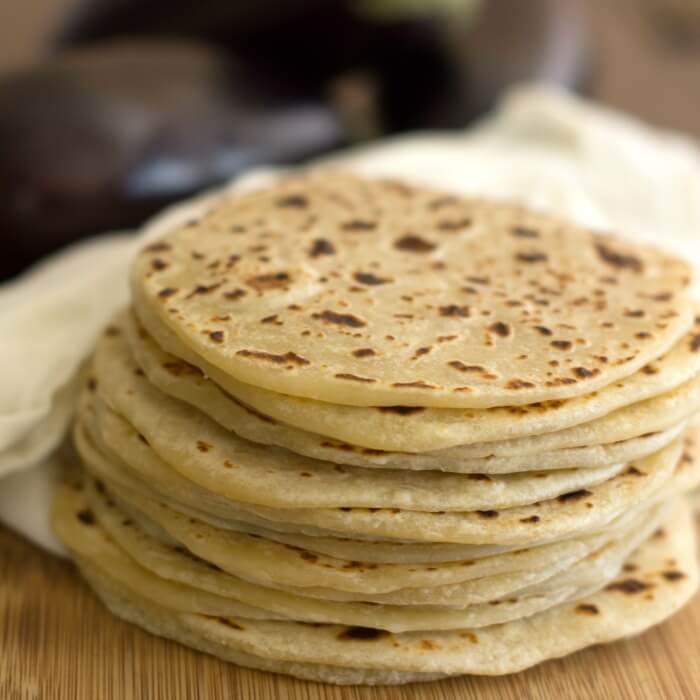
437, 66
100, 138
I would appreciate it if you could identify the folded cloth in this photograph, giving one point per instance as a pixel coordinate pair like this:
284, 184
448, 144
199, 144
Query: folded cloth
541, 147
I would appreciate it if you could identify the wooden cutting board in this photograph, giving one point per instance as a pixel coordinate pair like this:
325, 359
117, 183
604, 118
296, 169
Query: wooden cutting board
57, 642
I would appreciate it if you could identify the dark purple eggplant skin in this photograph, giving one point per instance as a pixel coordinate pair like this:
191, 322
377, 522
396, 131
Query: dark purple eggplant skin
430, 71
98, 139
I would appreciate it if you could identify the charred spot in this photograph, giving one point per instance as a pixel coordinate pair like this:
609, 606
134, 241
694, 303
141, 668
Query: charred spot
293, 201
477, 369
355, 378
573, 496
235, 294
441, 202
584, 372
308, 556
321, 246
167, 292
289, 358
370, 279
203, 446
694, 342
643, 335
543, 330
359, 225
673, 575
634, 313
159, 247
202, 289
531, 519
364, 352
92, 384
454, 224
421, 351
617, 259
362, 634
488, 514
419, 384
500, 328
270, 319
158, 264
561, 344
142, 438
629, 585
519, 384
633, 471
86, 516
524, 232
532, 256
217, 336
339, 319
454, 311
587, 609
414, 244
274, 280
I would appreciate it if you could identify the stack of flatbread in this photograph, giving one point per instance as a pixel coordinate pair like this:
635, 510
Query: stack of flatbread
358, 431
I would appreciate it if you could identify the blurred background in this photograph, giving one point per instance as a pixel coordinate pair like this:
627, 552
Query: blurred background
110, 109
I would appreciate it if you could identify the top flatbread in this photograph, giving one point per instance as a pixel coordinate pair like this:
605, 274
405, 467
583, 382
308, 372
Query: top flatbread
369, 292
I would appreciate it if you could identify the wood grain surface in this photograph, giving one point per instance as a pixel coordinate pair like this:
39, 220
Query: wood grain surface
58, 643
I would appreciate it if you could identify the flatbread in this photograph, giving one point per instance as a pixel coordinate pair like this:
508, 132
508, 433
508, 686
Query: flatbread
399, 428
549, 520
339, 288
220, 461
627, 606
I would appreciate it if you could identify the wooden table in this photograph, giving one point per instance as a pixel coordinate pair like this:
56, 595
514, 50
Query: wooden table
58, 643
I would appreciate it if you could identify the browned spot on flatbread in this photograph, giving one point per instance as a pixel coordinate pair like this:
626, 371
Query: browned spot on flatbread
359, 225
519, 384
673, 575
320, 247
158, 247
587, 609
488, 514
584, 372
203, 446
167, 292
217, 336
355, 378
531, 519
524, 232
562, 344
293, 201
371, 279
418, 384
289, 358
339, 319
532, 256
454, 224
629, 586
273, 280
501, 328
619, 260
414, 244
543, 330
364, 352
454, 311
476, 369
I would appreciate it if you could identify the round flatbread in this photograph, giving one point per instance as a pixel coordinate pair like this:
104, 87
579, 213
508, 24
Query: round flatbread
371, 292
